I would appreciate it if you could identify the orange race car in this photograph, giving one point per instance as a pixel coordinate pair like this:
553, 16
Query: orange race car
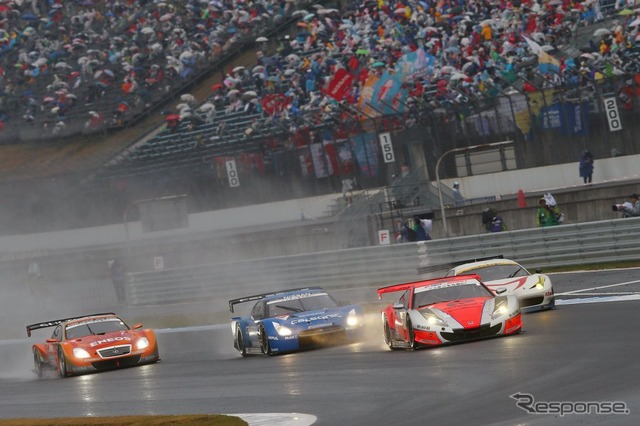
92, 343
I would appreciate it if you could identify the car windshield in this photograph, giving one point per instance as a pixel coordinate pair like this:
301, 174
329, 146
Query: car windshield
299, 303
429, 295
88, 328
498, 272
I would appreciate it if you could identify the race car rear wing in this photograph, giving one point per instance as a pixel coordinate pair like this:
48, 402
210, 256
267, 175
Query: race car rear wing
234, 302
53, 323
407, 286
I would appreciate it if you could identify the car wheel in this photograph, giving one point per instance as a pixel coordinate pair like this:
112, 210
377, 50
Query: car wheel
62, 363
240, 342
411, 338
37, 362
264, 341
387, 334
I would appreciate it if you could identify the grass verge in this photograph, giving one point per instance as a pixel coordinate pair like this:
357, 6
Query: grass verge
186, 420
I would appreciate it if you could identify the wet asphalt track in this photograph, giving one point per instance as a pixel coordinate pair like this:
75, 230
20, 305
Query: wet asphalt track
581, 352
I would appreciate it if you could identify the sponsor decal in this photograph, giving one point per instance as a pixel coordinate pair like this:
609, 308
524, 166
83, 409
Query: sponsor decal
92, 321
295, 297
109, 340
311, 327
315, 318
445, 285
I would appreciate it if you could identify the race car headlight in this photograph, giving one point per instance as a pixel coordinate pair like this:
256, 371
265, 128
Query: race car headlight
282, 330
80, 353
499, 311
433, 320
352, 318
143, 342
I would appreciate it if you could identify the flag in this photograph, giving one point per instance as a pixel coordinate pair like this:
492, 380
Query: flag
546, 63
339, 85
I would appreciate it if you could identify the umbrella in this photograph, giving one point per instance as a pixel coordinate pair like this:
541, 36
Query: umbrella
187, 97
238, 69
166, 17
289, 71
635, 23
547, 48
601, 32
233, 92
208, 106
249, 95
217, 86
378, 64
362, 52
459, 76
292, 57
623, 12
309, 16
452, 49
300, 12
261, 40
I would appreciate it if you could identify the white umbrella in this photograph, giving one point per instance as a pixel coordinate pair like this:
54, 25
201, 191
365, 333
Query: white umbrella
601, 32
300, 12
233, 92
458, 76
635, 23
588, 56
258, 69
249, 94
238, 69
187, 97
208, 106
261, 40
547, 48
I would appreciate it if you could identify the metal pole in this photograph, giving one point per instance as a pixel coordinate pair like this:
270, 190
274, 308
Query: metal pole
470, 148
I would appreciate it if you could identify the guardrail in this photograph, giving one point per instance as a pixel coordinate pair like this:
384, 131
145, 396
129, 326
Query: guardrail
572, 244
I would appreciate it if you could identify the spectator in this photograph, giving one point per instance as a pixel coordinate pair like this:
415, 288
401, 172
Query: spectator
586, 166
632, 207
547, 215
492, 221
119, 278
457, 195
422, 228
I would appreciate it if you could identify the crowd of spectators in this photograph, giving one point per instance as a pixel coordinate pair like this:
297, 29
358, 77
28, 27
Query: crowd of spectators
58, 57
97, 62
455, 51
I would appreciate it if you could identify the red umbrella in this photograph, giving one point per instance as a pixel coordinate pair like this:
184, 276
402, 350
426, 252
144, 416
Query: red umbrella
217, 86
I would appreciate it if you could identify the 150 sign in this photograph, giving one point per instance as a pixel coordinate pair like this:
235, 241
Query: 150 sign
387, 147
611, 109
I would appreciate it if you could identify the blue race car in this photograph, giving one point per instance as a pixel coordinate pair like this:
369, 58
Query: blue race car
291, 320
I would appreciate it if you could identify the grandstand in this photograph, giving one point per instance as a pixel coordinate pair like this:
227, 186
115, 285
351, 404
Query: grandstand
84, 138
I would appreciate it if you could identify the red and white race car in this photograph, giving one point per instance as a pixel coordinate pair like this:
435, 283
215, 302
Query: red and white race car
92, 343
534, 291
447, 310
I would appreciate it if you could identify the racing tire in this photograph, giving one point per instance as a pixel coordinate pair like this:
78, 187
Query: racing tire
37, 363
411, 341
240, 340
265, 348
387, 335
62, 363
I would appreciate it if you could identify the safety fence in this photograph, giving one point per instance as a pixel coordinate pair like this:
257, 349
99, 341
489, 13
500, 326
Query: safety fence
573, 244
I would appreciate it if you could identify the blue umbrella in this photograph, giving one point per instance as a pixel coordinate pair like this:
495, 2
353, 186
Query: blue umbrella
29, 17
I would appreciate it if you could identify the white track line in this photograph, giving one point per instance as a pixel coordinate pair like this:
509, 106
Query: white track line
582, 290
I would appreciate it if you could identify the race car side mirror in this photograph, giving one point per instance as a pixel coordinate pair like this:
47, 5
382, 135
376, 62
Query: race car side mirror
500, 290
137, 326
51, 340
398, 306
